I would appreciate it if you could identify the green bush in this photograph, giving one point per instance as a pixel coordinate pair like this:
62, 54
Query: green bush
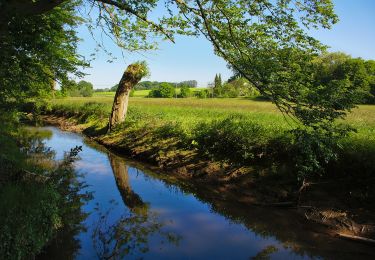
164, 90
80, 89
233, 140
185, 92
204, 93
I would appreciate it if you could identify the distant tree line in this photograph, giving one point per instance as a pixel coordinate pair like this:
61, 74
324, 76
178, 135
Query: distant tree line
338, 71
154, 85
168, 90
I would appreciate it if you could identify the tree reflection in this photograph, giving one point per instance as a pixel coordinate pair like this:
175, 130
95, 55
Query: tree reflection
129, 234
131, 199
73, 195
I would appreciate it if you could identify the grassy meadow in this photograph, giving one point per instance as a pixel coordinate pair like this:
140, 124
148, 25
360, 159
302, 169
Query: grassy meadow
190, 111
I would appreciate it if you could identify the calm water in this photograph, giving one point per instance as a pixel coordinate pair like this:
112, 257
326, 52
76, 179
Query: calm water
135, 215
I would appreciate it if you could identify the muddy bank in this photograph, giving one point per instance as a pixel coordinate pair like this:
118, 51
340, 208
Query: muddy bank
323, 206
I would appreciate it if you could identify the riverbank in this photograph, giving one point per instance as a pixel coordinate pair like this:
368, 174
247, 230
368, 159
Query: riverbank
326, 201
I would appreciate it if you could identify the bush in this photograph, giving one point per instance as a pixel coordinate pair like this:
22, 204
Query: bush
185, 92
164, 90
204, 93
80, 89
230, 91
233, 140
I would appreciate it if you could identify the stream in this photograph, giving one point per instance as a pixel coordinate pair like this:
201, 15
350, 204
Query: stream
136, 215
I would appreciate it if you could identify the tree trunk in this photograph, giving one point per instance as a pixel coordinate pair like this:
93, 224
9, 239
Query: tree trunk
129, 79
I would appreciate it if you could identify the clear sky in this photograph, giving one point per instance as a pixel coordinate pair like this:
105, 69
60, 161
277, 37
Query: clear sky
193, 58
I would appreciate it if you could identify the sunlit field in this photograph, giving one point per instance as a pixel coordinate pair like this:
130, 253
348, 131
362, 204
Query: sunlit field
190, 111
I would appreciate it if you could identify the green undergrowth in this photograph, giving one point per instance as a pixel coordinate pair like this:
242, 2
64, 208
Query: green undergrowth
240, 132
38, 196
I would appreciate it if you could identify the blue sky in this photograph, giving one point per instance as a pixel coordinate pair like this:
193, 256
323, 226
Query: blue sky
193, 58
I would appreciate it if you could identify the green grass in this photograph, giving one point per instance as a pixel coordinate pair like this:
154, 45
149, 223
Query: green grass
190, 111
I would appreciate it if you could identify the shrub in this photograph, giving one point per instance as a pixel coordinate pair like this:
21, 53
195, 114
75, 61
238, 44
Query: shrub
185, 91
204, 93
233, 140
164, 90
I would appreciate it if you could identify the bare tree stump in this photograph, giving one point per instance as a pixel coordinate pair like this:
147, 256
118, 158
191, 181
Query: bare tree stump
132, 75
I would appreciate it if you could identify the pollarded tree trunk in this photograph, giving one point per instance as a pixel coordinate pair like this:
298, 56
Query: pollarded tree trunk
132, 75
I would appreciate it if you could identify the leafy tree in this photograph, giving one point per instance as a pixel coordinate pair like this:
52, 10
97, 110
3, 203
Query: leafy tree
114, 88
185, 91
69, 88
165, 90
218, 85
243, 87
80, 89
36, 51
204, 93
229, 90
86, 89
342, 73
370, 67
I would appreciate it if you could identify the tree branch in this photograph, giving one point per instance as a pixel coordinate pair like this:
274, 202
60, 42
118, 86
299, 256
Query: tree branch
128, 9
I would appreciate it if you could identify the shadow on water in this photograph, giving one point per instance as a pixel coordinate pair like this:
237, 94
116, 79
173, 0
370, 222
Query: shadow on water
188, 222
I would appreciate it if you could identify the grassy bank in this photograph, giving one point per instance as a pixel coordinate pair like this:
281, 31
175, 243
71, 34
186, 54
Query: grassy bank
237, 132
190, 112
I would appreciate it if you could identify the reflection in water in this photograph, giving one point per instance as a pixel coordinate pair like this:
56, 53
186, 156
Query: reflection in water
71, 187
129, 234
131, 199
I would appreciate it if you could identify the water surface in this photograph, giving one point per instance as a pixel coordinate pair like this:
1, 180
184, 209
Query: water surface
133, 215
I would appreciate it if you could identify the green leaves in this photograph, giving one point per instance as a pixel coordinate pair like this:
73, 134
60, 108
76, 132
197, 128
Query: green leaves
36, 51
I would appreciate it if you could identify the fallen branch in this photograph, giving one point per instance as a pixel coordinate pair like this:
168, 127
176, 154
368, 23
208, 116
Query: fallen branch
357, 238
